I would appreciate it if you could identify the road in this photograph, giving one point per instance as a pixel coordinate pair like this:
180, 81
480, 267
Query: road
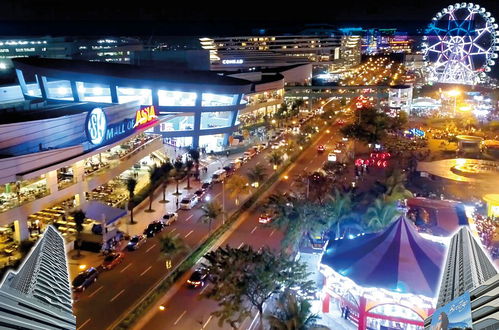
184, 310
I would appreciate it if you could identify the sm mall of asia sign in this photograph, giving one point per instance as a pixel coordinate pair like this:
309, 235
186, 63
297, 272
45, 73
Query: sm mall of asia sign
98, 130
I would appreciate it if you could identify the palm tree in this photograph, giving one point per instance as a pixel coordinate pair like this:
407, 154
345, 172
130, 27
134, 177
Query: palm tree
275, 158
381, 214
154, 177
171, 245
237, 185
166, 168
257, 174
189, 164
211, 211
178, 172
395, 187
79, 217
292, 313
338, 209
302, 139
195, 156
131, 183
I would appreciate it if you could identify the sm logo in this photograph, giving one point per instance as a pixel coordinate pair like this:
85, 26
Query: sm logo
144, 116
96, 126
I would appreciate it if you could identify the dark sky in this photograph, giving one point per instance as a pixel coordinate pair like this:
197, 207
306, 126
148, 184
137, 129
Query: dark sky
177, 17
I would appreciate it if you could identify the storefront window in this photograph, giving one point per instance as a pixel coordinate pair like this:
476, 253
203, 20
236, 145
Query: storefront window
126, 94
176, 98
178, 123
215, 119
65, 177
94, 92
59, 89
212, 142
179, 141
218, 100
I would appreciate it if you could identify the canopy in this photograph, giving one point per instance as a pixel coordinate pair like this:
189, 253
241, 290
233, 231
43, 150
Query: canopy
102, 212
397, 259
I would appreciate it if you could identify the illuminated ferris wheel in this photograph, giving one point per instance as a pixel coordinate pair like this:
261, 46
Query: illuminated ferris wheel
461, 44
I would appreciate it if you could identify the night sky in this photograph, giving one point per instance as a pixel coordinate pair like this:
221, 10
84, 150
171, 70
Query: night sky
110, 17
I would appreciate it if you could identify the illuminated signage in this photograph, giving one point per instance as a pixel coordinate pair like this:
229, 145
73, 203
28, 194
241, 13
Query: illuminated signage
96, 125
144, 116
454, 315
234, 61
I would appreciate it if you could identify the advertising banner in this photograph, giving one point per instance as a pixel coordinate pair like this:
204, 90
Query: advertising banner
454, 315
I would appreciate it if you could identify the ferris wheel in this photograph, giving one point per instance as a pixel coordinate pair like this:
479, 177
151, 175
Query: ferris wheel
461, 44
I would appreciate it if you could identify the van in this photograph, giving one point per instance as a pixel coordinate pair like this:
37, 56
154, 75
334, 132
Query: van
188, 202
219, 176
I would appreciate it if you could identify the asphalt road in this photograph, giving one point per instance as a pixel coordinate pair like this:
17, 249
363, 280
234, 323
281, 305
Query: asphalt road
116, 290
184, 310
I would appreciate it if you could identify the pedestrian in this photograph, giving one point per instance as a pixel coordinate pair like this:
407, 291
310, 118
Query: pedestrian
347, 312
342, 311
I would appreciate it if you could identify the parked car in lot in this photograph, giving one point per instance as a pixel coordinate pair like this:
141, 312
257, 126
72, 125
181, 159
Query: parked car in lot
113, 259
198, 278
154, 227
170, 218
84, 279
135, 242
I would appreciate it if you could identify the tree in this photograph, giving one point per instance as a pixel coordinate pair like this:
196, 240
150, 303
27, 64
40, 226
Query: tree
395, 187
166, 169
244, 277
292, 313
237, 185
211, 211
195, 156
381, 214
131, 183
275, 158
170, 245
154, 177
257, 174
302, 139
178, 172
188, 169
79, 217
338, 209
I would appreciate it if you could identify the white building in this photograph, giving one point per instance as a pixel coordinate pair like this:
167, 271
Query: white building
400, 97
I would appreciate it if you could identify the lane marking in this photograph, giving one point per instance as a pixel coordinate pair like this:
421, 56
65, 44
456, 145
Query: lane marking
200, 293
119, 293
254, 229
209, 319
171, 231
176, 235
216, 196
121, 271
181, 315
305, 168
189, 218
292, 184
272, 233
189, 233
240, 245
84, 323
145, 271
92, 294
149, 249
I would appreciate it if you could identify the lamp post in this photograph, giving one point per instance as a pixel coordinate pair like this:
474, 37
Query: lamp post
223, 202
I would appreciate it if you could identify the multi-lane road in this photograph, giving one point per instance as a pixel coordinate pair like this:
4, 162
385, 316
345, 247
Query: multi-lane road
185, 309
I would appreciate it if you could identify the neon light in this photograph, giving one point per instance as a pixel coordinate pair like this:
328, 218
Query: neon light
144, 116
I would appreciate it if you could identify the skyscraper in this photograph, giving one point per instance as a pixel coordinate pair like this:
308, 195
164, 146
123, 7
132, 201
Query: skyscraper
38, 294
466, 267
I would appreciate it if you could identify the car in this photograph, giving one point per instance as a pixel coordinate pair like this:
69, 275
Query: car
331, 157
112, 260
135, 242
200, 193
265, 218
170, 218
188, 202
84, 279
197, 278
321, 148
206, 185
154, 227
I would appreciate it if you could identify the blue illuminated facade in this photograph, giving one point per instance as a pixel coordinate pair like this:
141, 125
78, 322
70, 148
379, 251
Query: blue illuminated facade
192, 105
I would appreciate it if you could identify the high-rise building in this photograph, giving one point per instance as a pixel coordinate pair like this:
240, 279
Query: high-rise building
38, 294
466, 267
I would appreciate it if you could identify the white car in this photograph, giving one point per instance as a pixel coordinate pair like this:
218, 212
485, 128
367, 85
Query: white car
170, 218
331, 157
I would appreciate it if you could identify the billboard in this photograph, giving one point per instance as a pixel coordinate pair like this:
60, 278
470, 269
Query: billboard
454, 315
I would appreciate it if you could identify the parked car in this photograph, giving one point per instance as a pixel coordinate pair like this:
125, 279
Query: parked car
170, 218
189, 202
154, 227
200, 193
206, 185
197, 278
112, 260
84, 279
135, 242
219, 176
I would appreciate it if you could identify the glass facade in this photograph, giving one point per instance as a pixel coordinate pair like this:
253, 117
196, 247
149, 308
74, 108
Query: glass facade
217, 119
59, 89
176, 98
218, 100
213, 142
178, 123
126, 94
94, 92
